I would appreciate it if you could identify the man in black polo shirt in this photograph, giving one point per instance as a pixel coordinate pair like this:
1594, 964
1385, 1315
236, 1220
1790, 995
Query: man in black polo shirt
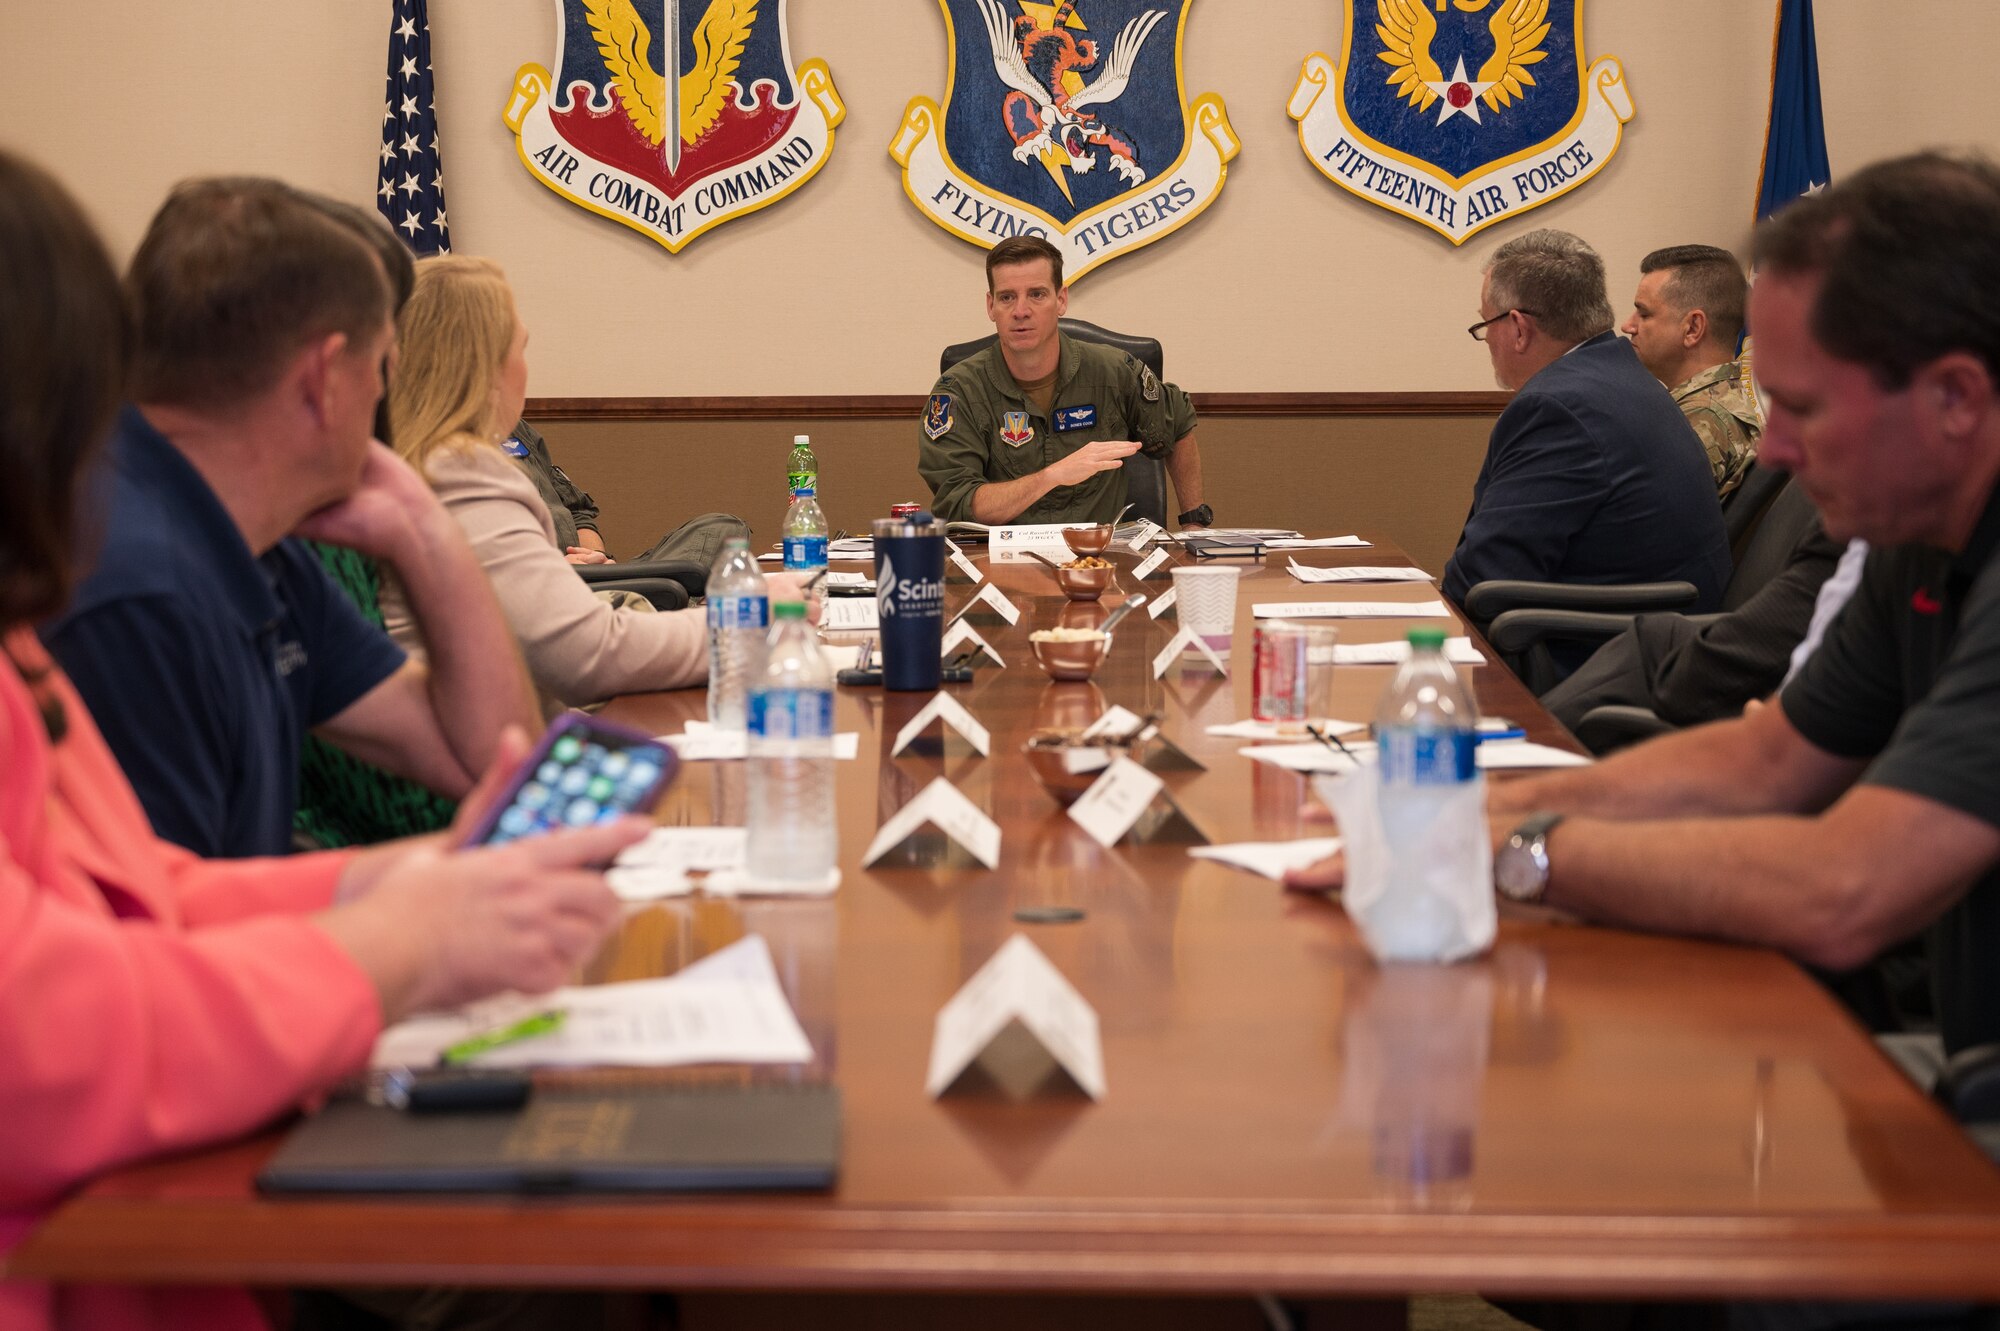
1864, 807
207, 640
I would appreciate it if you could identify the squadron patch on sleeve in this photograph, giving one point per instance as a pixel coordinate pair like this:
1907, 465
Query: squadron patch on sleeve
1149, 384
937, 416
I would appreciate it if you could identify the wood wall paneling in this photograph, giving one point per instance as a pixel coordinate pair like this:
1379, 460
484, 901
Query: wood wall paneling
1397, 465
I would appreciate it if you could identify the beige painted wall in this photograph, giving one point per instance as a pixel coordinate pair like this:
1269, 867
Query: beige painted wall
1286, 284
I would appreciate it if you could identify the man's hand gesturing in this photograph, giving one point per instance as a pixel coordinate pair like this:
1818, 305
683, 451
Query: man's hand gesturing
1086, 462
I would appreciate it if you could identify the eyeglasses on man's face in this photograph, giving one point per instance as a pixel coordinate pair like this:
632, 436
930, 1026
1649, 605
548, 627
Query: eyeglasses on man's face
1478, 331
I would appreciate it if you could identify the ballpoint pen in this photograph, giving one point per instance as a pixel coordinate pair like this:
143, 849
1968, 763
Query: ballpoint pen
1332, 741
542, 1023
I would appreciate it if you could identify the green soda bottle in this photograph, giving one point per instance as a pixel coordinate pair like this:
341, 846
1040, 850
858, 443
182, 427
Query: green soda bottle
803, 471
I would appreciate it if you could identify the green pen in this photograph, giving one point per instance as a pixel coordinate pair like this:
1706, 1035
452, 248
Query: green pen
542, 1023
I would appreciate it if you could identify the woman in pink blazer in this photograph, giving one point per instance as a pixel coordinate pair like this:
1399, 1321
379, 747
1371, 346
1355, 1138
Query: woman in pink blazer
149, 1001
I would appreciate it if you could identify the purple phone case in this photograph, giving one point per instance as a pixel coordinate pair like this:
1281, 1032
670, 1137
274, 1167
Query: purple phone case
593, 730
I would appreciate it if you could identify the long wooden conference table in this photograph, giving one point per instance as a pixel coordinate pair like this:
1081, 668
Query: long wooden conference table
1584, 1112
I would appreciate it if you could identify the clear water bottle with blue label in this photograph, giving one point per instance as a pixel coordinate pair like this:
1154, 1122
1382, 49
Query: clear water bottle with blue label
739, 617
805, 533
1426, 729
790, 715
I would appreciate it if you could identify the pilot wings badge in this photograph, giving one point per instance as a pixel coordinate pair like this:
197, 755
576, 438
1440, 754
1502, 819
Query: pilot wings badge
1458, 113
1065, 120
673, 116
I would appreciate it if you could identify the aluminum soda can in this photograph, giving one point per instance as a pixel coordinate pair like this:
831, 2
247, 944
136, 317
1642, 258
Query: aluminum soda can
905, 510
909, 599
1278, 684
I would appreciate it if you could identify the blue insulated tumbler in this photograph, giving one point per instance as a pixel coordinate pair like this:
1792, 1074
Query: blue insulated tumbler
909, 593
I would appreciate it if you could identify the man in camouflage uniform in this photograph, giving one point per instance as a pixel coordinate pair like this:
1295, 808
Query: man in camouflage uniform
1036, 427
1686, 320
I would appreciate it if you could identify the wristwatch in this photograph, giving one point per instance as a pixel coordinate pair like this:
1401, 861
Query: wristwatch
1201, 516
1521, 869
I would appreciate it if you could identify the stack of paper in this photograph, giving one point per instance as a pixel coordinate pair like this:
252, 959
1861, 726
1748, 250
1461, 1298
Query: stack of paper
848, 547
1238, 535
1317, 543
1503, 754
1357, 573
1275, 729
660, 865
1269, 859
1351, 610
1459, 651
850, 614
726, 1008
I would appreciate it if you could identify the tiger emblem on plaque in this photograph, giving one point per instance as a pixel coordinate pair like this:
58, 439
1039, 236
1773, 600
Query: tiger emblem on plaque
1068, 121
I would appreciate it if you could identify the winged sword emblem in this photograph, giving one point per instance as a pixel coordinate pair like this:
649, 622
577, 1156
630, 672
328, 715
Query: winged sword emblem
625, 42
673, 116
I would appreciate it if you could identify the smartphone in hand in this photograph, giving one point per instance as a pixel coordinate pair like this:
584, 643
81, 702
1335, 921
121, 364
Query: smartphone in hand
584, 772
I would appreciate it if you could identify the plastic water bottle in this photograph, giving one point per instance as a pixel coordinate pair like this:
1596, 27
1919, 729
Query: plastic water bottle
805, 533
802, 473
739, 616
1426, 736
791, 810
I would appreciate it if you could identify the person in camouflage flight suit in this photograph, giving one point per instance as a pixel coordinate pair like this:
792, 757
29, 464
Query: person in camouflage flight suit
1036, 427
1686, 321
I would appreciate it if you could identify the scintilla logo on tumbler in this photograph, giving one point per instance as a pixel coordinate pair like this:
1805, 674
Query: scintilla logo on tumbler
918, 597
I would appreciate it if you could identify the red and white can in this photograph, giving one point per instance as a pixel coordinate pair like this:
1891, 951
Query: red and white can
1278, 685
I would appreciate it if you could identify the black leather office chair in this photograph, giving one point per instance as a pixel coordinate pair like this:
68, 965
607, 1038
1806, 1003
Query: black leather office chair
1969, 1086
1145, 478
1524, 618
670, 584
1744, 507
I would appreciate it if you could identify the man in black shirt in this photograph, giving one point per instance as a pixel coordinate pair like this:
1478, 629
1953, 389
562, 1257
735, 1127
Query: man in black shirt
1864, 807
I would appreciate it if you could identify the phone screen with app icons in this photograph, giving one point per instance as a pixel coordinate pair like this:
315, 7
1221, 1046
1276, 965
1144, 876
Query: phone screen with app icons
584, 772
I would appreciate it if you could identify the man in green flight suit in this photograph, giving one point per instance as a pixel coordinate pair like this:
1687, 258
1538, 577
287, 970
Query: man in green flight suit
1036, 428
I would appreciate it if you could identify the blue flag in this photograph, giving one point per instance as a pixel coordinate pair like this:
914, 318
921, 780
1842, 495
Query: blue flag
1795, 139
409, 183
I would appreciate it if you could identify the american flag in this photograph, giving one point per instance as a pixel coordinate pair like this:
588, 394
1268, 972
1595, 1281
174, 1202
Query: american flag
409, 184
1795, 162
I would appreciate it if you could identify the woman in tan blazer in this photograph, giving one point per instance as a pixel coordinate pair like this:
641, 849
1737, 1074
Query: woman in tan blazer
460, 381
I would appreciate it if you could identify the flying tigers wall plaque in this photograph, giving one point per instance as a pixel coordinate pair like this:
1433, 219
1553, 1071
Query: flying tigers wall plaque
1065, 120
1459, 113
673, 116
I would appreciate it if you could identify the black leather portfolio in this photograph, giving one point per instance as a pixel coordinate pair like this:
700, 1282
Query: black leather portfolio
626, 1139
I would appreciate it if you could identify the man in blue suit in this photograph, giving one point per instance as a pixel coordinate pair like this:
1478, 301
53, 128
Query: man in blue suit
1592, 474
